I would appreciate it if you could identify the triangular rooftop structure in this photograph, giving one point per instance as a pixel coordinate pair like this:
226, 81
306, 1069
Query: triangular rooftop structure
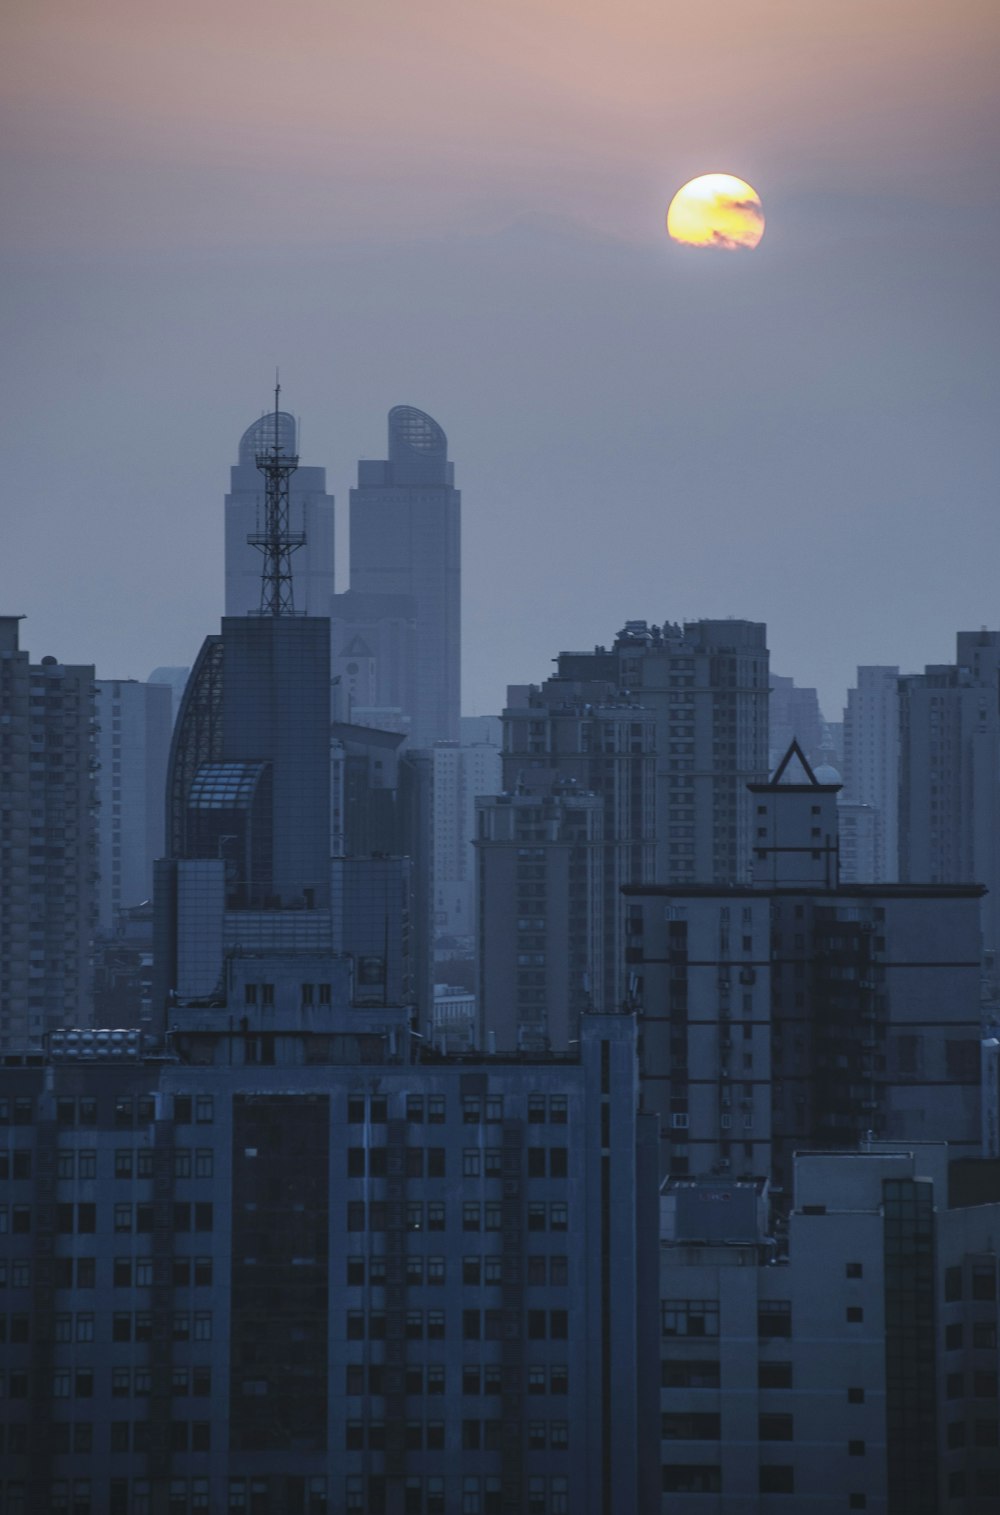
794, 772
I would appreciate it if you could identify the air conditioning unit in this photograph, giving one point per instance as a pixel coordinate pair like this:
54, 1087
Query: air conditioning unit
679, 1122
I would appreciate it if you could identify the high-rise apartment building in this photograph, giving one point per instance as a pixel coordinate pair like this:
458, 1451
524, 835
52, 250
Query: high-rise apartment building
794, 716
311, 512
871, 764
462, 772
585, 735
290, 1268
800, 1012
48, 842
543, 911
949, 786
706, 686
134, 723
404, 601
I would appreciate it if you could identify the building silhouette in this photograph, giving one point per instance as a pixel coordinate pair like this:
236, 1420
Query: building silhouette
133, 743
311, 510
949, 783
871, 764
706, 687
48, 842
404, 605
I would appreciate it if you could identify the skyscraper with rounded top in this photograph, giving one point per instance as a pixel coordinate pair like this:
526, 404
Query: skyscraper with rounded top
311, 511
406, 550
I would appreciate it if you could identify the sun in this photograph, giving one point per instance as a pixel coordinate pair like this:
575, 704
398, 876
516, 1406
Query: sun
718, 211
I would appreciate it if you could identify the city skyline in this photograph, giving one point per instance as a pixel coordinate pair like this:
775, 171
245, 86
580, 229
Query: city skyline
804, 437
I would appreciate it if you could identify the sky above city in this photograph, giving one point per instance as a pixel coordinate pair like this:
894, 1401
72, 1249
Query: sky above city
461, 207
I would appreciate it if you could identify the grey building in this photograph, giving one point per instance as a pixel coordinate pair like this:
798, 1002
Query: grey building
856, 1368
311, 512
794, 716
134, 724
286, 1269
48, 842
871, 764
799, 1012
706, 686
406, 572
540, 868
949, 785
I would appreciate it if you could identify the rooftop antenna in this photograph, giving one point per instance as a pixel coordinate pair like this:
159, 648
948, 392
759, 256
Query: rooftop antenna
277, 541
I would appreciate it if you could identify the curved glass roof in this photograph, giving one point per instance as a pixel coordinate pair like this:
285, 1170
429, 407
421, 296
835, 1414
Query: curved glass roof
414, 431
260, 437
225, 786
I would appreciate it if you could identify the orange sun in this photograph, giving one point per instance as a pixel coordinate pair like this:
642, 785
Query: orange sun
716, 210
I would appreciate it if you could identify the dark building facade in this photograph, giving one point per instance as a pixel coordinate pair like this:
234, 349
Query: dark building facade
284, 1268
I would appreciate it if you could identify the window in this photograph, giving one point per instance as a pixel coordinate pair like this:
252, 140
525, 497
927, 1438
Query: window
692, 1478
776, 1478
854, 1314
435, 1110
689, 1317
470, 1216
471, 1270
855, 1449
774, 1427
470, 1162
774, 1319
984, 1281
435, 1162
774, 1375
689, 1425
854, 1269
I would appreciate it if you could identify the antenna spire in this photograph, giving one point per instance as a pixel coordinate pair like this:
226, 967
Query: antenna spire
277, 541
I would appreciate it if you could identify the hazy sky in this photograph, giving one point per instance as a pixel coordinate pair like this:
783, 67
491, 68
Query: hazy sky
459, 206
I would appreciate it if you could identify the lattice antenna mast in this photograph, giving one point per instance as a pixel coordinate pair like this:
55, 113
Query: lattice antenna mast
277, 541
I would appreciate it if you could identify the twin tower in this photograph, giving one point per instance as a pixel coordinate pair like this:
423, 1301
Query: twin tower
395, 655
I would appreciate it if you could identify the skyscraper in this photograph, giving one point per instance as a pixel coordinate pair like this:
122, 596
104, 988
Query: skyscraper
406, 566
311, 512
48, 842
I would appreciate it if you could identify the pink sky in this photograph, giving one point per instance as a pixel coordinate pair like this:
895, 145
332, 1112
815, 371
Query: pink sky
193, 123
459, 204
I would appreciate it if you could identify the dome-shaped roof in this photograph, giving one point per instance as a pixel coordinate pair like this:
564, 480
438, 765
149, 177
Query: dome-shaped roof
415, 431
260, 437
827, 774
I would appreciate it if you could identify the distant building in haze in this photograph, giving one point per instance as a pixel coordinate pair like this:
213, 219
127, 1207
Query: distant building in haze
48, 843
871, 764
133, 743
311, 510
949, 787
403, 609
